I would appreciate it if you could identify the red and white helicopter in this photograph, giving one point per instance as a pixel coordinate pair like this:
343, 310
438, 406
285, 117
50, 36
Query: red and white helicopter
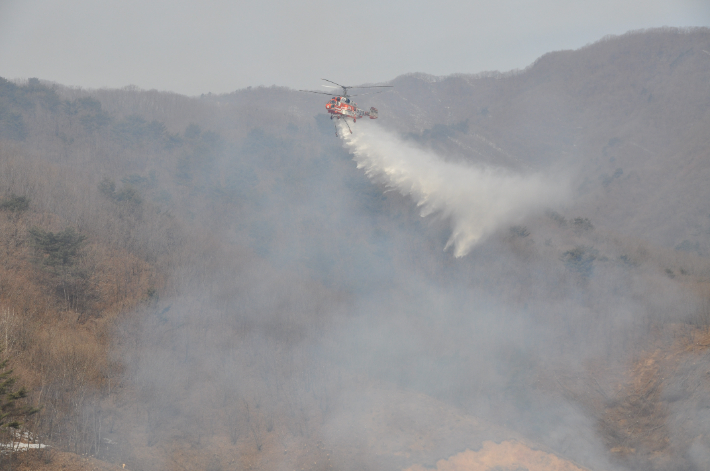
342, 107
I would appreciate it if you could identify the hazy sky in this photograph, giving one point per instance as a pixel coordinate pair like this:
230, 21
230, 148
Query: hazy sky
219, 46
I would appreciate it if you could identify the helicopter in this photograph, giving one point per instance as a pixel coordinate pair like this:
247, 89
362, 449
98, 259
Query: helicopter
342, 107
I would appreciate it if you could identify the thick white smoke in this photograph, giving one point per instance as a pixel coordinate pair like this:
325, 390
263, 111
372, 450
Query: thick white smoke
477, 200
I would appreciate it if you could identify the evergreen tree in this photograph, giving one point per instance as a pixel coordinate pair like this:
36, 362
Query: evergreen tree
59, 249
12, 412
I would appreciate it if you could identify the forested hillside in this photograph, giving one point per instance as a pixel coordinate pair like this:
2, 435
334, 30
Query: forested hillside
626, 115
211, 283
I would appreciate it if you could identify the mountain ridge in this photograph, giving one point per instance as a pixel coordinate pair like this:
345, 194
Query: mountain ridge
268, 301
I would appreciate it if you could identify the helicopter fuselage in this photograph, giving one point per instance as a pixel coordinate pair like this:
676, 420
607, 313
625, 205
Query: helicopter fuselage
344, 107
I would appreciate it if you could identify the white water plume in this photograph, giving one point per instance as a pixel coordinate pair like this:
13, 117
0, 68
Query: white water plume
477, 200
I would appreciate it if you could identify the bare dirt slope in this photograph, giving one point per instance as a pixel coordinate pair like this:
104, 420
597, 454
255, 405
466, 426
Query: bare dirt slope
508, 455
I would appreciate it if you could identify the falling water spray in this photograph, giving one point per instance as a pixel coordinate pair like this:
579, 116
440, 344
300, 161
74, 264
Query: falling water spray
476, 200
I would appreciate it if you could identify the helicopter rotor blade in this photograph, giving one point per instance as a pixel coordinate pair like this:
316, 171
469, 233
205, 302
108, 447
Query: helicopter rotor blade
369, 93
366, 86
345, 89
341, 86
320, 93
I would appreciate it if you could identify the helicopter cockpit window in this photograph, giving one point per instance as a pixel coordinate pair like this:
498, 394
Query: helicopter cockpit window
347, 100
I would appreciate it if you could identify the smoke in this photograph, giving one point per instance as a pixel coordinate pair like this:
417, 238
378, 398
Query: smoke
477, 200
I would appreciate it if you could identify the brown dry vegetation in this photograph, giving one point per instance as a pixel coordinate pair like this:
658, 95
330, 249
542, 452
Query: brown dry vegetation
635, 407
59, 460
61, 349
213, 317
508, 455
